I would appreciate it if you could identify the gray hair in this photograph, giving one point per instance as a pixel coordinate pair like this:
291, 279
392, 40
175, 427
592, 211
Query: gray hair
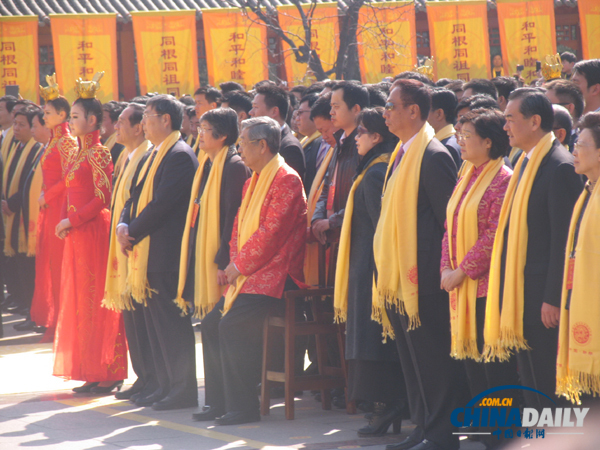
264, 128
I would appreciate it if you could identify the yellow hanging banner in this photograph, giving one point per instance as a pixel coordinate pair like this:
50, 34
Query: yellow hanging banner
236, 47
458, 33
589, 22
84, 45
167, 51
387, 39
527, 34
324, 37
19, 55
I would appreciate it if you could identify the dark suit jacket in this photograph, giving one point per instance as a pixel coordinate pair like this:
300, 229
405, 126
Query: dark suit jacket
554, 193
115, 152
291, 150
436, 184
452, 145
311, 152
163, 219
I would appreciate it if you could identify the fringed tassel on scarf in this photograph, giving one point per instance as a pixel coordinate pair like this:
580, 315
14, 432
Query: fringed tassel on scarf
502, 350
465, 349
576, 384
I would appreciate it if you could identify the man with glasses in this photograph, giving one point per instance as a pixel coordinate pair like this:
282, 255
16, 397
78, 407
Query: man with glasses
312, 140
150, 232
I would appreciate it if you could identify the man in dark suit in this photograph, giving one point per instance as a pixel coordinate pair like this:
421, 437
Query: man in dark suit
555, 189
273, 101
425, 351
311, 143
110, 114
162, 221
442, 118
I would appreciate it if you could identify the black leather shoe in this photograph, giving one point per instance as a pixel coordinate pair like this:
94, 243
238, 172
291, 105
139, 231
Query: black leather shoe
380, 420
28, 325
169, 403
107, 389
150, 399
127, 393
87, 387
207, 413
238, 418
404, 445
426, 445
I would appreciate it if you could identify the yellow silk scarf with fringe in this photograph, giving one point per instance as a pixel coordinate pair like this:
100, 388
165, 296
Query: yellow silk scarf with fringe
35, 189
503, 331
249, 217
578, 362
7, 144
340, 297
308, 139
207, 291
395, 242
463, 299
115, 297
137, 270
12, 189
445, 132
311, 256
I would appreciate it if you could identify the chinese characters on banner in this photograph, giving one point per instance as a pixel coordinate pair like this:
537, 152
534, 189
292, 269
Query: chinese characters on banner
167, 52
236, 47
324, 37
460, 45
589, 21
19, 55
527, 34
84, 45
387, 40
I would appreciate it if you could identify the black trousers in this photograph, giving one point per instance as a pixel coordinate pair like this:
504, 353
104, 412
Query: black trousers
376, 381
140, 351
20, 278
435, 382
171, 338
232, 349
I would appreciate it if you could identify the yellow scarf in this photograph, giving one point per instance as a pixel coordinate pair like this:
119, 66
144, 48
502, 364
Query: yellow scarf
397, 283
308, 139
249, 217
12, 189
578, 363
463, 321
35, 189
311, 257
190, 140
198, 151
118, 165
445, 132
340, 298
115, 297
504, 329
137, 270
207, 291
6, 144
111, 141
513, 152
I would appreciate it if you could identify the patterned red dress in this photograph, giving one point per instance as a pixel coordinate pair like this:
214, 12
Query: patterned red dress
89, 343
49, 251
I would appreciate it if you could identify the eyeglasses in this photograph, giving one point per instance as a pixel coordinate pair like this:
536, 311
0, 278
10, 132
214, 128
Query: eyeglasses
578, 145
204, 130
462, 136
145, 116
389, 106
243, 142
361, 130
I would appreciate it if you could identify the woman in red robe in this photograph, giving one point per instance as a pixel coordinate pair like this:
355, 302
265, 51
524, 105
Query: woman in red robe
89, 342
49, 252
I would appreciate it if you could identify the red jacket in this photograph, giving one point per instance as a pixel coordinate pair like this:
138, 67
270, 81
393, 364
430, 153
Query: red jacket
276, 249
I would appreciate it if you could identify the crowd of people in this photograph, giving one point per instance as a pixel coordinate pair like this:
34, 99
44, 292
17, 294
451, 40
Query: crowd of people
460, 220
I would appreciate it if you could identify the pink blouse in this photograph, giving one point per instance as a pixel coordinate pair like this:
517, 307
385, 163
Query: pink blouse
476, 263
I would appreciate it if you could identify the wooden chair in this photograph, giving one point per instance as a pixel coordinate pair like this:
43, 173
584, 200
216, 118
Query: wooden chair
321, 326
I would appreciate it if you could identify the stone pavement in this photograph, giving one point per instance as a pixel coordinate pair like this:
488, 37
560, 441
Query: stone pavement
40, 411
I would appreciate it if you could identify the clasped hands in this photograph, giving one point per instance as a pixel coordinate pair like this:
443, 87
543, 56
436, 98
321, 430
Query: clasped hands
124, 240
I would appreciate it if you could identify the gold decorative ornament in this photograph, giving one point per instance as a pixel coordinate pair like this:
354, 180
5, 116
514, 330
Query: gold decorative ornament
51, 92
426, 69
552, 67
88, 89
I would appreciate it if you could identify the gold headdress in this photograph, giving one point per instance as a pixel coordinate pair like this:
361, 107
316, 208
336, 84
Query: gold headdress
50, 92
88, 89
552, 67
426, 69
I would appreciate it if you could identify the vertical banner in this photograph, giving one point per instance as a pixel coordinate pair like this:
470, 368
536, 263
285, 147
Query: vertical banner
19, 55
84, 45
167, 55
387, 39
527, 34
460, 45
324, 37
589, 22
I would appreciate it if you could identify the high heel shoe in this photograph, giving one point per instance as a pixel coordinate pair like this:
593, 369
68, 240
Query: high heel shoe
87, 387
107, 389
380, 420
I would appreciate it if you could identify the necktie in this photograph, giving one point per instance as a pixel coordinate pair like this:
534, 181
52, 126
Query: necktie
398, 158
525, 162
